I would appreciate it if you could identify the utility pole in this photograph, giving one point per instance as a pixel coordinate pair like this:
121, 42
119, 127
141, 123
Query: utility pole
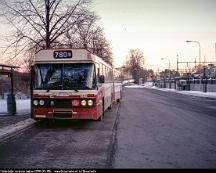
195, 62
205, 81
177, 64
169, 72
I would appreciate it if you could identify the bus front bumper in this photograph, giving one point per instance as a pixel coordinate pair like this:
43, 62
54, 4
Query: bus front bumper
75, 113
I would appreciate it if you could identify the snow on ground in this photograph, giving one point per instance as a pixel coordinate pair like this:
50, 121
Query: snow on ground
135, 86
197, 93
193, 93
22, 105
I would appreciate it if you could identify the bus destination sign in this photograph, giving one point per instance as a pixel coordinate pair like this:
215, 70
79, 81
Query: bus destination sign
62, 54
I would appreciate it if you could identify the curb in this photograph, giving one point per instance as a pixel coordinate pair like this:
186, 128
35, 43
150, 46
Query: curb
112, 147
14, 129
17, 114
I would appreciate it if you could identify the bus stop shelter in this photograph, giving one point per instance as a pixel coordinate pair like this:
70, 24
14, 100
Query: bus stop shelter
8, 70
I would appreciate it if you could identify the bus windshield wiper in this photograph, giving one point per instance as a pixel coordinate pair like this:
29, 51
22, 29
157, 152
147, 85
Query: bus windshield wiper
75, 89
53, 85
70, 84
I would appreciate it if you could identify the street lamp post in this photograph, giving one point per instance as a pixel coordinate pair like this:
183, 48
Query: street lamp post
199, 70
188, 41
169, 72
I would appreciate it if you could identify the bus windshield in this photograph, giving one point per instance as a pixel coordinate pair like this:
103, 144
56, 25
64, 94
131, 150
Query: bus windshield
64, 76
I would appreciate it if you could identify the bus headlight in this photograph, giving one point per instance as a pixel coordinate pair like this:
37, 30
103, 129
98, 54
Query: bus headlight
83, 102
90, 102
41, 102
35, 102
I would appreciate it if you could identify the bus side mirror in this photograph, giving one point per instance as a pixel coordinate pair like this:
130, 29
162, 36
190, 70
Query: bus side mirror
101, 79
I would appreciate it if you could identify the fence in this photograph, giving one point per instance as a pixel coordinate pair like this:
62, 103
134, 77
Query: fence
190, 85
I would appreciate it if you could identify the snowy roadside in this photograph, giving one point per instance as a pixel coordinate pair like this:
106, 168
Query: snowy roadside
13, 125
135, 86
21, 105
14, 129
192, 93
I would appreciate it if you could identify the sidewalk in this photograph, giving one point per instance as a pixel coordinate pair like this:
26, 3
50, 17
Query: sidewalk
10, 125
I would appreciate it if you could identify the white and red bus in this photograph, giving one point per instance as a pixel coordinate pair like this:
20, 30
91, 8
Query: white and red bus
72, 84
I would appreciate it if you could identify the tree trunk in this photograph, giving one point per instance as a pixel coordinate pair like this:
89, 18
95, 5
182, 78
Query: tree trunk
47, 6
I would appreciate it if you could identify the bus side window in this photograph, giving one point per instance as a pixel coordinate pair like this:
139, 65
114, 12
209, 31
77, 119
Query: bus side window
98, 72
103, 70
95, 77
106, 74
110, 74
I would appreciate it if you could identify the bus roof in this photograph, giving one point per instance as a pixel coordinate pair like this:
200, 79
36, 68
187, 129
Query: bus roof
67, 56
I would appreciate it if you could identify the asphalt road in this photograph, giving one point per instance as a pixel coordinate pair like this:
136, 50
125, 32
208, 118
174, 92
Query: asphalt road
154, 129
158, 129
63, 144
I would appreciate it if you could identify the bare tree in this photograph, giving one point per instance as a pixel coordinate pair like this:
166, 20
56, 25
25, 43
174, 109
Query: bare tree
135, 63
39, 24
90, 36
100, 46
27, 60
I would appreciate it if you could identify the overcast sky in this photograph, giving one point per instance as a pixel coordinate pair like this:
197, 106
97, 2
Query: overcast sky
159, 28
